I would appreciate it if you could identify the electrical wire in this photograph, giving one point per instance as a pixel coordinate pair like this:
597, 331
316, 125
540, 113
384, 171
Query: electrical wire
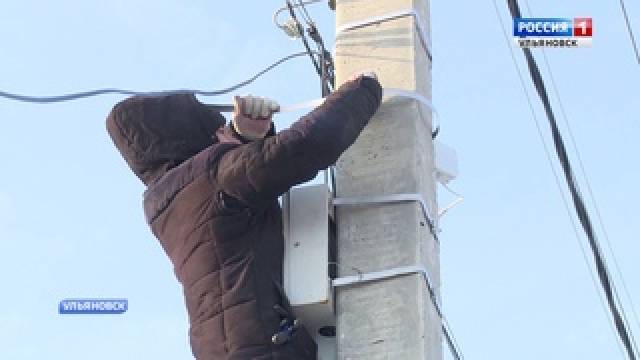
631, 36
305, 13
597, 253
586, 178
305, 42
607, 283
452, 343
324, 63
588, 184
553, 169
114, 91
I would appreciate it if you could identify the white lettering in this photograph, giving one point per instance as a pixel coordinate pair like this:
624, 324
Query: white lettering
522, 26
543, 26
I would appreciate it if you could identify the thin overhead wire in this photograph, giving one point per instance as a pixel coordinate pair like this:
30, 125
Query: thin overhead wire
305, 13
549, 158
303, 37
616, 308
323, 63
454, 346
582, 168
115, 91
630, 30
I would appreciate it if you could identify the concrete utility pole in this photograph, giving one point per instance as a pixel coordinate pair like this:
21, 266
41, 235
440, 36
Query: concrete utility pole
392, 318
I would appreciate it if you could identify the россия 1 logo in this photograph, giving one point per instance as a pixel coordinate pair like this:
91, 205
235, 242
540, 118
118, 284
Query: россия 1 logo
553, 32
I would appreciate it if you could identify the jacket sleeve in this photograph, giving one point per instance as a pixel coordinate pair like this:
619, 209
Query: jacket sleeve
265, 169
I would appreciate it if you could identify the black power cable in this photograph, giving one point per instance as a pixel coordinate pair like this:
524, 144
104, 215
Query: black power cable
631, 36
113, 91
324, 63
305, 42
581, 210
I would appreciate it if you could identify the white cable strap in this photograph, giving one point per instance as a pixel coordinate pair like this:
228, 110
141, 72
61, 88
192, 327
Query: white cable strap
302, 106
390, 273
392, 16
388, 93
392, 93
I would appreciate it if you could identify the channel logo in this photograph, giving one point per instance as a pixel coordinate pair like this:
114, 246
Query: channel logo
553, 32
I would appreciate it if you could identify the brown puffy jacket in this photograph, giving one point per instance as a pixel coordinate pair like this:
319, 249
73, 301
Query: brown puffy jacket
214, 208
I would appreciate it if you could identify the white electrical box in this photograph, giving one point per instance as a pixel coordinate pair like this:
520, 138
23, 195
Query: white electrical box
306, 212
446, 162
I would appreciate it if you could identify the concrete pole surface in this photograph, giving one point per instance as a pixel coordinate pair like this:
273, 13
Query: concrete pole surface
393, 318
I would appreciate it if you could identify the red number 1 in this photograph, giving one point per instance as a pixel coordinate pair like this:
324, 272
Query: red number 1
582, 27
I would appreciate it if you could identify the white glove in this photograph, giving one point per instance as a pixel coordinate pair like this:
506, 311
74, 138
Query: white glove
256, 107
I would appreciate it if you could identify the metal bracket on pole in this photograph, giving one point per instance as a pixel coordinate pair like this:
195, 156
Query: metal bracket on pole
392, 16
393, 198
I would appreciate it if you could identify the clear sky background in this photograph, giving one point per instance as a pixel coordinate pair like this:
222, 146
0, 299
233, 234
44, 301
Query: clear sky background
515, 282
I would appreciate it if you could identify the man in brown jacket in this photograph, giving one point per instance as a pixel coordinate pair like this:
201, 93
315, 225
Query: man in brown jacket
212, 202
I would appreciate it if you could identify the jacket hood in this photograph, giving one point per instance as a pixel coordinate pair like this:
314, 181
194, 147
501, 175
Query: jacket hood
156, 133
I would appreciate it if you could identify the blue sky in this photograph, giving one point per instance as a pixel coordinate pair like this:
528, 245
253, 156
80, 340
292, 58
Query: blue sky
515, 283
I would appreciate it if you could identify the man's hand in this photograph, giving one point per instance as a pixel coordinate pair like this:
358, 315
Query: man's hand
255, 107
252, 116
